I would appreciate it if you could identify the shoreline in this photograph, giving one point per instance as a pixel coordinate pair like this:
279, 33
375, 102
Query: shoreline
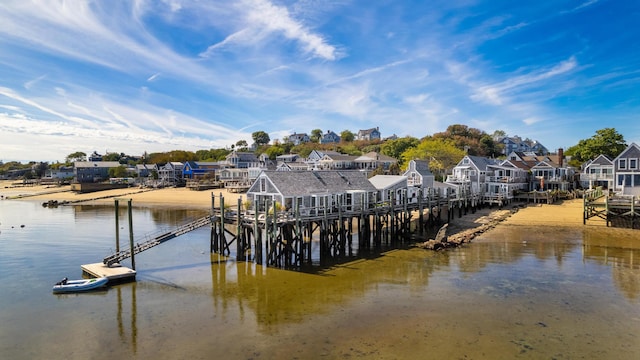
468, 228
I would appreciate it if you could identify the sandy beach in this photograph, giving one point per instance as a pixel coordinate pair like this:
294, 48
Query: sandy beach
167, 197
562, 214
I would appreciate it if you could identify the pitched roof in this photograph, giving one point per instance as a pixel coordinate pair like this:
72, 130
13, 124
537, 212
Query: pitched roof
386, 181
299, 183
482, 162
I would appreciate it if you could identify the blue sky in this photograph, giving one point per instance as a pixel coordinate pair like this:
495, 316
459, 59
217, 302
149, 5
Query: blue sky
136, 76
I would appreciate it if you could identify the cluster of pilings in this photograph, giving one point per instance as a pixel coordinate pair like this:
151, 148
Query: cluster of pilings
285, 238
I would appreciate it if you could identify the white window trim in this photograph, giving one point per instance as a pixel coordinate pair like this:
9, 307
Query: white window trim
621, 162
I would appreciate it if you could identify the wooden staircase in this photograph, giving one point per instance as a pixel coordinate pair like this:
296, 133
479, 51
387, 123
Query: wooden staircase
140, 247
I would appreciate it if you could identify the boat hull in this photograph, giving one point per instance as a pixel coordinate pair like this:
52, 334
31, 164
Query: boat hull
72, 286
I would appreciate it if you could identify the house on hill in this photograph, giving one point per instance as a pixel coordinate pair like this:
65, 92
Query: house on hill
297, 139
373, 160
369, 134
329, 137
313, 191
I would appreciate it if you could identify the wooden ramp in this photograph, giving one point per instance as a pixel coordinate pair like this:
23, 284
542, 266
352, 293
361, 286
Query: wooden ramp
140, 247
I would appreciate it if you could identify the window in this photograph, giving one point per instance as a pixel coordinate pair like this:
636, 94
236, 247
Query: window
633, 164
636, 180
622, 163
620, 180
263, 185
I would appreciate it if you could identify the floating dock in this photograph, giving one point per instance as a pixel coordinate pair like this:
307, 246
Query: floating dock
116, 274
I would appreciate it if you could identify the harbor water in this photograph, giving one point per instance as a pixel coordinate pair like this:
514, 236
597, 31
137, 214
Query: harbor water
516, 292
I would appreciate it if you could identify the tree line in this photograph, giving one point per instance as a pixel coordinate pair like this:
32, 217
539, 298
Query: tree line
443, 150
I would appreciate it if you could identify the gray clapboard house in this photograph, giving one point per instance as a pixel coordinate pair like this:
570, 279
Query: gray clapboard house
313, 191
627, 171
390, 187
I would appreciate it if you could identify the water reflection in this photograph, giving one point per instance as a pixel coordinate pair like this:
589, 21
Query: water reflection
504, 264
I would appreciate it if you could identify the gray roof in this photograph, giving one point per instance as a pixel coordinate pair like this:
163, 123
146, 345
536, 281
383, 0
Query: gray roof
482, 162
300, 183
420, 166
386, 181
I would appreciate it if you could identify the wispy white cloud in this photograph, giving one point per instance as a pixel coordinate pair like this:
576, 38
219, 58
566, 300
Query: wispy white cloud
263, 18
495, 94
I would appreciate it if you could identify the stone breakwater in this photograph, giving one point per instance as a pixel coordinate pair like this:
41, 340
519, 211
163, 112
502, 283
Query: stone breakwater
486, 223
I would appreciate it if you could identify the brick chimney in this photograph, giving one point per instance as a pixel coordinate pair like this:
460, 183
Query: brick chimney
560, 156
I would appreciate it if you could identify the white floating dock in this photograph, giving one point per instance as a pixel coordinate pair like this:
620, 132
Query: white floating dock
116, 274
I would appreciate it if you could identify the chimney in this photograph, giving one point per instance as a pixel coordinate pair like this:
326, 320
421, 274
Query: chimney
560, 156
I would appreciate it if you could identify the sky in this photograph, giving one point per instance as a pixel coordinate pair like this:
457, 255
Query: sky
154, 76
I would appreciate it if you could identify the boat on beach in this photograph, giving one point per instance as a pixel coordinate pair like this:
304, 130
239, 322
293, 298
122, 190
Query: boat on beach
71, 286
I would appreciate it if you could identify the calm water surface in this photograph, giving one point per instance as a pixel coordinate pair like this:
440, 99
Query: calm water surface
517, 292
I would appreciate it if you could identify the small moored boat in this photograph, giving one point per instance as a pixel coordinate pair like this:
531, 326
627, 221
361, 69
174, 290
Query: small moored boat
68, 286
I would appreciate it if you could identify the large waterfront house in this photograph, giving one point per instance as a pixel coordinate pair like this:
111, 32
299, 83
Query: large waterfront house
470, 174
63, 172
546, 172
93, 171
598, 172
201, 169
146, 170
170, 174
627, 171
313, 192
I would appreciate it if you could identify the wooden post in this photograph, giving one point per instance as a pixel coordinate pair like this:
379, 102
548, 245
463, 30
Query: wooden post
240, 248
116, 202
133, 260
221, 238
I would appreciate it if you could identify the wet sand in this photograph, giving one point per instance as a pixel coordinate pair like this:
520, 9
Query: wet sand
167, 197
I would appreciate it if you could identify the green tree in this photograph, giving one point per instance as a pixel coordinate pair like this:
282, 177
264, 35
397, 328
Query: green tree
349, 149
396, 147
118, 172
346, 136
442, 155
468, 138
274, 151
260, 138
112, 156
606, 141
76, 156
242, 145
316, 135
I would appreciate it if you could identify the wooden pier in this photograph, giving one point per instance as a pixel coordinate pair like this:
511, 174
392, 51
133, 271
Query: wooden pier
284, 238
615, 210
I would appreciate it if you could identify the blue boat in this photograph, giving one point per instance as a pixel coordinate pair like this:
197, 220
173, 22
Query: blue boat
71, 286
